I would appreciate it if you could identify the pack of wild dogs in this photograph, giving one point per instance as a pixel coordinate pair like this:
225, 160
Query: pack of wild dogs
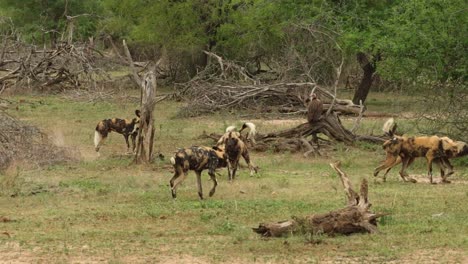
233, 145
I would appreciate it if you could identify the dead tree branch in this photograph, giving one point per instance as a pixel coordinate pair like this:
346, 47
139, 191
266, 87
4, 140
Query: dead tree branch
136, 78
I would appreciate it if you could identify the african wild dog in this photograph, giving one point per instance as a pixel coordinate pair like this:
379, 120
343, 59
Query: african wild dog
197, 159
407, 149
451, 149
235, 147
122, 126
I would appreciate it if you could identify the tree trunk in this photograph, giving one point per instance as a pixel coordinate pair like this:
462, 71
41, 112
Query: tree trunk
144, 149
354, 218
366, 82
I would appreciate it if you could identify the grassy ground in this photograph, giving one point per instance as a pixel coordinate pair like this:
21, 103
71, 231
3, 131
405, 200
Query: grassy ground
103, 209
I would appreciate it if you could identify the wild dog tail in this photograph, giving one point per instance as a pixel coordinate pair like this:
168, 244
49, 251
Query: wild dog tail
173, 161
230, 129
97, 140
389, 127
252, 131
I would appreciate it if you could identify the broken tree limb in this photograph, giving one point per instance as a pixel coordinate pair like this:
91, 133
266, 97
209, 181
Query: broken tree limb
354, 218
135, 76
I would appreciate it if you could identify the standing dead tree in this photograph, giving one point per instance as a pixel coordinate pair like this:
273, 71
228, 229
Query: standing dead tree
354, 218
144, 150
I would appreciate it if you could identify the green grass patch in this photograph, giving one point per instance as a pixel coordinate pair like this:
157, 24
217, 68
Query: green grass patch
106, 208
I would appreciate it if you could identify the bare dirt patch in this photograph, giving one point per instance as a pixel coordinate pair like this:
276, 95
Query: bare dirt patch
422, 178
28, 145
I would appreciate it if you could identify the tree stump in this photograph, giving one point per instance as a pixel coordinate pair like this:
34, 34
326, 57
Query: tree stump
354, 218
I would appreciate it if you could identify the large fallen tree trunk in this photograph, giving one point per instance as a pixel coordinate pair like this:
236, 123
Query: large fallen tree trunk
329, 125
354, 218
295, 139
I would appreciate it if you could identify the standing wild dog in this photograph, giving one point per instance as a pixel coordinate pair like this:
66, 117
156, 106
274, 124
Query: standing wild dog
451, 149
235, 147
122, 126
197, 159
407, 149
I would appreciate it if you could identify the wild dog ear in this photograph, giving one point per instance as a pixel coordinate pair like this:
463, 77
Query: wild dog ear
137, 113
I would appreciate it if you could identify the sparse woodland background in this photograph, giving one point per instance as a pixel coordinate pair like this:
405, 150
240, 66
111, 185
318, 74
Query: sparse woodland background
67, 64
414, 47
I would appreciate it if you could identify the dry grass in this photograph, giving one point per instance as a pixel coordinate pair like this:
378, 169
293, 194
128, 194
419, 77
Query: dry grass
103, 209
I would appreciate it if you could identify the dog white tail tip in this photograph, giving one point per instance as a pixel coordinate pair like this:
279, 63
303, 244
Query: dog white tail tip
97, 138
230, 129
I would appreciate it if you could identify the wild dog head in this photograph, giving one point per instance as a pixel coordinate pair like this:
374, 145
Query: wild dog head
394, 144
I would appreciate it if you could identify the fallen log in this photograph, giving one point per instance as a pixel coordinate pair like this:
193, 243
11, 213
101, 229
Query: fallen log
294, 139
354, 218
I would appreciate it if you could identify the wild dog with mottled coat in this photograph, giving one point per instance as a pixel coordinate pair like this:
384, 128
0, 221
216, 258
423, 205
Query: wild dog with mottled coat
235, 148
125, 127
452, 149
407, 149
197, 159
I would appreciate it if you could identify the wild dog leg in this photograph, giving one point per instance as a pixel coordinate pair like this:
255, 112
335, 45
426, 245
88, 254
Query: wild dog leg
199, 183
134, 135
235, 165
246, 157
232, 168
406, 161
215, 182
126, 141
446, 163
390, 161
430, 158
176, 180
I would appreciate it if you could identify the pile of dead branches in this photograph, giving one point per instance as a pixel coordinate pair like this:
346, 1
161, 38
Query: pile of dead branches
288, 98
21, 143
63, 67
224, 85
